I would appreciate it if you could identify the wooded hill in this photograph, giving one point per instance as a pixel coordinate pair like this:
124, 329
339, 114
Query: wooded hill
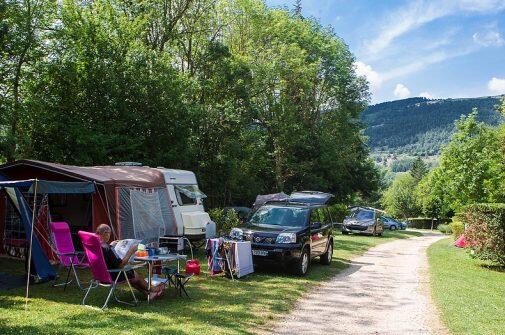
420, 126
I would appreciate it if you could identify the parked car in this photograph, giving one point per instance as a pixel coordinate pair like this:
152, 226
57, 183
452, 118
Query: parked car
392, 224
364, 220
403, 225
290, 233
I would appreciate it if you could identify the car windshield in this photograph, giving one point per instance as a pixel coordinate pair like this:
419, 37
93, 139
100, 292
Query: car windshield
362, 215
280, 216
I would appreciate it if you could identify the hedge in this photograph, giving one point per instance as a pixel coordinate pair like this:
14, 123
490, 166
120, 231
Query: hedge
485, 231
425, 223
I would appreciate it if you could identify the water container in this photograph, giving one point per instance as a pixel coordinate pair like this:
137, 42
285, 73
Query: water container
193, 267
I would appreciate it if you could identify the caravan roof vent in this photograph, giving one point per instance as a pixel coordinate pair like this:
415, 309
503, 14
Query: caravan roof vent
128, 164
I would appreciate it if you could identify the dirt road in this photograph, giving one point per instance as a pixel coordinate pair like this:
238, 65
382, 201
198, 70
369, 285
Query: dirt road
385, 291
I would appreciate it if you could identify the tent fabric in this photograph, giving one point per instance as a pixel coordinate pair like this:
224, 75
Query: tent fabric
61, 187
264, 198
43, 268
145, 215
17, 183
109, 182
51, 187
140, 176
461, 242
315, 198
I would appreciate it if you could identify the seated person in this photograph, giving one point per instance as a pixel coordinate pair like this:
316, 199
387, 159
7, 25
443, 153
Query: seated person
114, 262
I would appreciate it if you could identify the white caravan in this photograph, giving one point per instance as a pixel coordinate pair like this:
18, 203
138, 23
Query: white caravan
186, 198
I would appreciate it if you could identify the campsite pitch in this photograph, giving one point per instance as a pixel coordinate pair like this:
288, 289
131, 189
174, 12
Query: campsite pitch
217, 305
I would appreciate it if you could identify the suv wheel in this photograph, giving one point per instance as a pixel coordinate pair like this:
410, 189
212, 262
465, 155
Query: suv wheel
325, 258
392, 228
302, 265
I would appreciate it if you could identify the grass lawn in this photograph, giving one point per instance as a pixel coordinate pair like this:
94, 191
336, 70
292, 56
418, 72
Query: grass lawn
469, 293
217, 305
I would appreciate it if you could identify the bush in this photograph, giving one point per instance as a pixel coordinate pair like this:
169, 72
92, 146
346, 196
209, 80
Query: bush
338, 212
457, 227
224, 222
444, 228
485, 231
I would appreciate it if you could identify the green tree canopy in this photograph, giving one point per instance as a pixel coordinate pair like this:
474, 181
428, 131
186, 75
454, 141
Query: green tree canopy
400, 198
471, 169
253, 99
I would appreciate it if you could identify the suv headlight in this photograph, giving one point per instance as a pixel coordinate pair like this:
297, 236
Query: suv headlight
286, 238
236, 233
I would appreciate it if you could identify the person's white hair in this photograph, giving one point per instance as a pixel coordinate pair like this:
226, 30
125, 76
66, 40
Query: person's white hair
102, 229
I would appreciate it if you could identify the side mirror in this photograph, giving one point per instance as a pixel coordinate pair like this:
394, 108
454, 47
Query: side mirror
316, 225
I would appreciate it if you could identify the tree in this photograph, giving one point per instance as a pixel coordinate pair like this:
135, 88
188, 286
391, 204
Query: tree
471, 169
298, 8
24, 27
400, 198
252, 99
418, 169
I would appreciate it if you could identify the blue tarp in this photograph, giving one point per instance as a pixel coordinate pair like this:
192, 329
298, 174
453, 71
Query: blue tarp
43, 268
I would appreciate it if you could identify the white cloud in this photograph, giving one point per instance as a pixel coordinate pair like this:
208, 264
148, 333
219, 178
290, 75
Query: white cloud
496, 85
374, 79
401, 91
418, 13
426, 95
489, 38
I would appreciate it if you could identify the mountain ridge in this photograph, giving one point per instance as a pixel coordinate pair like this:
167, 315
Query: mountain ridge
420, 126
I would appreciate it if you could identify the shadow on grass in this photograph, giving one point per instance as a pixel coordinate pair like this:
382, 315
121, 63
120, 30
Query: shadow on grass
494, 267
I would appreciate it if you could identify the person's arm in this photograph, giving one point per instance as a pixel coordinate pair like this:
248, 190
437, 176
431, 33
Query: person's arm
128, 255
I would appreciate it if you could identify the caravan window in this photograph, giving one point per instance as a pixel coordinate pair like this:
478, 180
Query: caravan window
188, 194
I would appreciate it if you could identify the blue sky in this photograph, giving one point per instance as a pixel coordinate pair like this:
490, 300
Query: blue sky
437, 49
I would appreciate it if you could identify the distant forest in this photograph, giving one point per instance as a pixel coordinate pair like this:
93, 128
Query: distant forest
420, 126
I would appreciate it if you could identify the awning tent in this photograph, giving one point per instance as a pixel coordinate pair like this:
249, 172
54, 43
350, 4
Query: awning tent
116, 202
13, 189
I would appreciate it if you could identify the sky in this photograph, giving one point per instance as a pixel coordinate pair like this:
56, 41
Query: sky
435, 49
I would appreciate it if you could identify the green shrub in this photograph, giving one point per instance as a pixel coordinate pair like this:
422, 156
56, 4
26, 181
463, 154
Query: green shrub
224, 222
485, 231
457, 227
338, 212
444, 228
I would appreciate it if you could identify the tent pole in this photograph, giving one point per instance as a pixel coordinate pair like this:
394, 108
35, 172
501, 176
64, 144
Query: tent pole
31, 240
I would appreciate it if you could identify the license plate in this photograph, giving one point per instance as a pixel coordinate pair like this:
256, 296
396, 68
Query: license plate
259, 252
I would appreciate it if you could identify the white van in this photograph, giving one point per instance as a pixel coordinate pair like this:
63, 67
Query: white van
187, 204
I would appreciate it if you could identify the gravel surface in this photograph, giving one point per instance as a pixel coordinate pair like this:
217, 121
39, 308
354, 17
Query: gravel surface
385, 291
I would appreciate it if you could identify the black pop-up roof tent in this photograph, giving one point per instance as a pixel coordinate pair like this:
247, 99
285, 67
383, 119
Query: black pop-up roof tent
14, 190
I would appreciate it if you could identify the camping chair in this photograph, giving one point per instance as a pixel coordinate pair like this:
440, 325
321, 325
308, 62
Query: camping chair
101, 275
65, 251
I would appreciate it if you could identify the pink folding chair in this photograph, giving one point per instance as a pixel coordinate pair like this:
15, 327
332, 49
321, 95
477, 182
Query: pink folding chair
65, 251
101, 275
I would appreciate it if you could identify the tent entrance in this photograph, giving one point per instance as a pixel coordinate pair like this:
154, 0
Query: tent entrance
74, 209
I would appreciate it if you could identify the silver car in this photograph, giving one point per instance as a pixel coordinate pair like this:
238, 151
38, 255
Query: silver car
364, 220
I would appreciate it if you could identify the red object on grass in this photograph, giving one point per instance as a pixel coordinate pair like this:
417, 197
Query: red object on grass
461, 242
193, 267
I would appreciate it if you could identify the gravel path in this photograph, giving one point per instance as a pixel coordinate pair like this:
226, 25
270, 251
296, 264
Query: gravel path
384, 291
